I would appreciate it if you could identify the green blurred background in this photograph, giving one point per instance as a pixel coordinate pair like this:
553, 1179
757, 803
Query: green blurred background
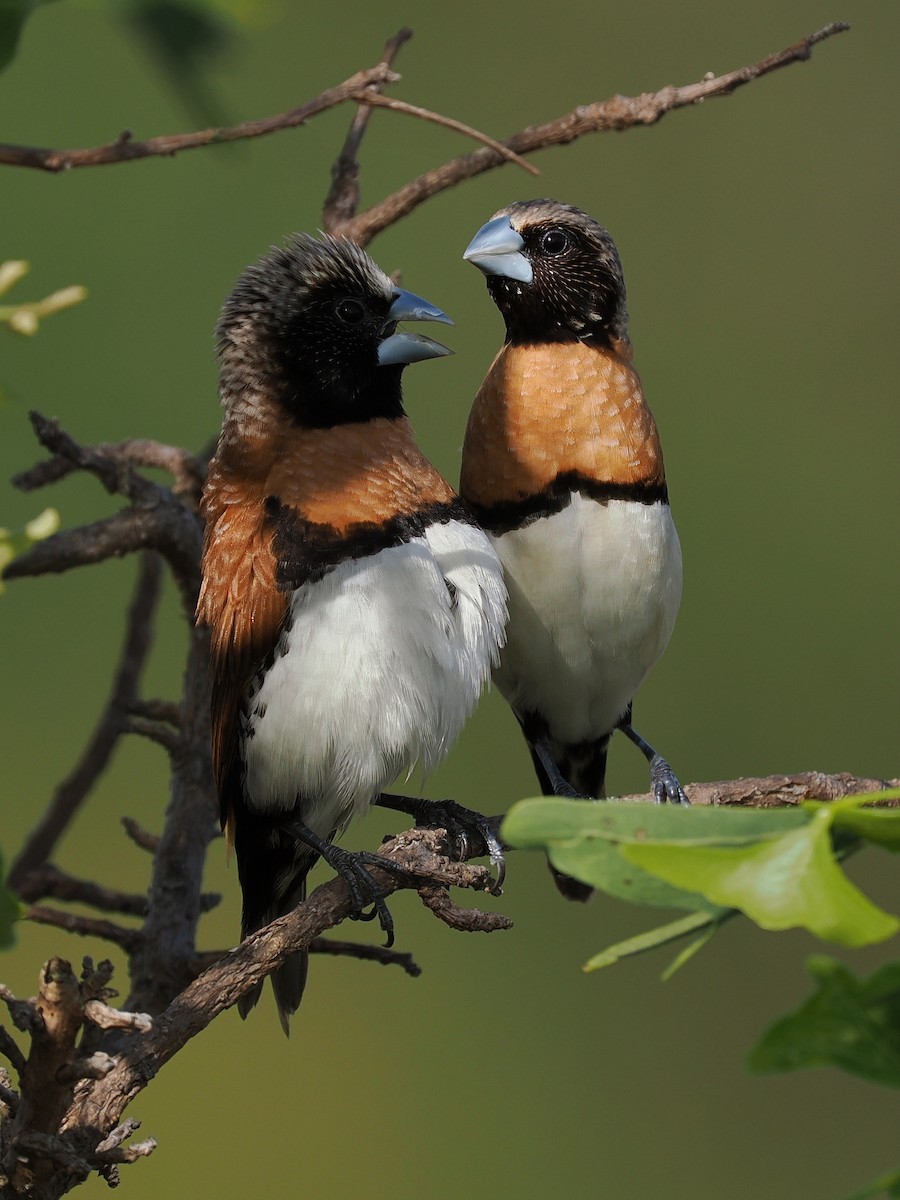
758, 237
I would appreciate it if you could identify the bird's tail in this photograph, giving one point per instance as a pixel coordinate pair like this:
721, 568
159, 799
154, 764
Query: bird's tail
273, 866
584, 768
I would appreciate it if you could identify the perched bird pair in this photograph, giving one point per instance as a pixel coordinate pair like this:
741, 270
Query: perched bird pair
356, 608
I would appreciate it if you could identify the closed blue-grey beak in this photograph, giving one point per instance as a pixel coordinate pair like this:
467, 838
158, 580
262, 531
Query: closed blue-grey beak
403, 348
496, 249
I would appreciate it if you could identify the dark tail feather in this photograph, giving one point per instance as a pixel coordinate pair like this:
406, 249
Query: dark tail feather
584, 768
572, 889
272, 865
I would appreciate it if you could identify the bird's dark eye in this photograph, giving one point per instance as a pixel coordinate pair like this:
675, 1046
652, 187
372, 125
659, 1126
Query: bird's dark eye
555, 241
351, 312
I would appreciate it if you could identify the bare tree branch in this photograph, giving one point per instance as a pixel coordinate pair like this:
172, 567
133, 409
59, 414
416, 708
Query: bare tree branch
140, 837
164, 962
124, 149
334, 948
374, 100
97, 1104
44, 1097
72, 792
104, 1017
159, 519
118, 1136
617, 113
376, 954
187, 470
468, 920
158, 710
155, 731
47, 880
222, 984
128, 939
342, 200
9, 1048
778, 791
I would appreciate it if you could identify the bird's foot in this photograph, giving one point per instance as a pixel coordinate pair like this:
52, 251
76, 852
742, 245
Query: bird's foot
664, 782
460, 823
352, 866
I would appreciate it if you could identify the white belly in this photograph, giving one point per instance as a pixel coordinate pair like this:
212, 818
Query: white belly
593, 595
379, 666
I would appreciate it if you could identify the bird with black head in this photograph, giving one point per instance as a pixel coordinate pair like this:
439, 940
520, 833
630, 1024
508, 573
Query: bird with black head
562, 465
355, 607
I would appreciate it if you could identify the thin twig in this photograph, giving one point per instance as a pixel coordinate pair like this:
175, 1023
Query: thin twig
114, 469
71, 793
187, 470
24, 1015
374, 100
467, 920
155, 731
11, 1051
124, 149
336, 949
48, 881
616, 113
158, 710
117, 1136
377, 954
140, 836
128, 939
128, 1154
158, 520
107, 1017
342, 200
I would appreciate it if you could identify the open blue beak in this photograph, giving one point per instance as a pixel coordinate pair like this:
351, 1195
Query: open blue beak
403, 348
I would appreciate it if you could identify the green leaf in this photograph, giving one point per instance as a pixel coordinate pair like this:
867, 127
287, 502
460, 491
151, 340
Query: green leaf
687, 953
848, 1023
13, 15
661, 936
600, 864
887, 1185
10, 911
535, 823
792, 880
583, 839
879, 825
42, 526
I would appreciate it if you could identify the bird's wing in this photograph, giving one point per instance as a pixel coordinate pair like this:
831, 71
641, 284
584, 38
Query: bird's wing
242, 605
